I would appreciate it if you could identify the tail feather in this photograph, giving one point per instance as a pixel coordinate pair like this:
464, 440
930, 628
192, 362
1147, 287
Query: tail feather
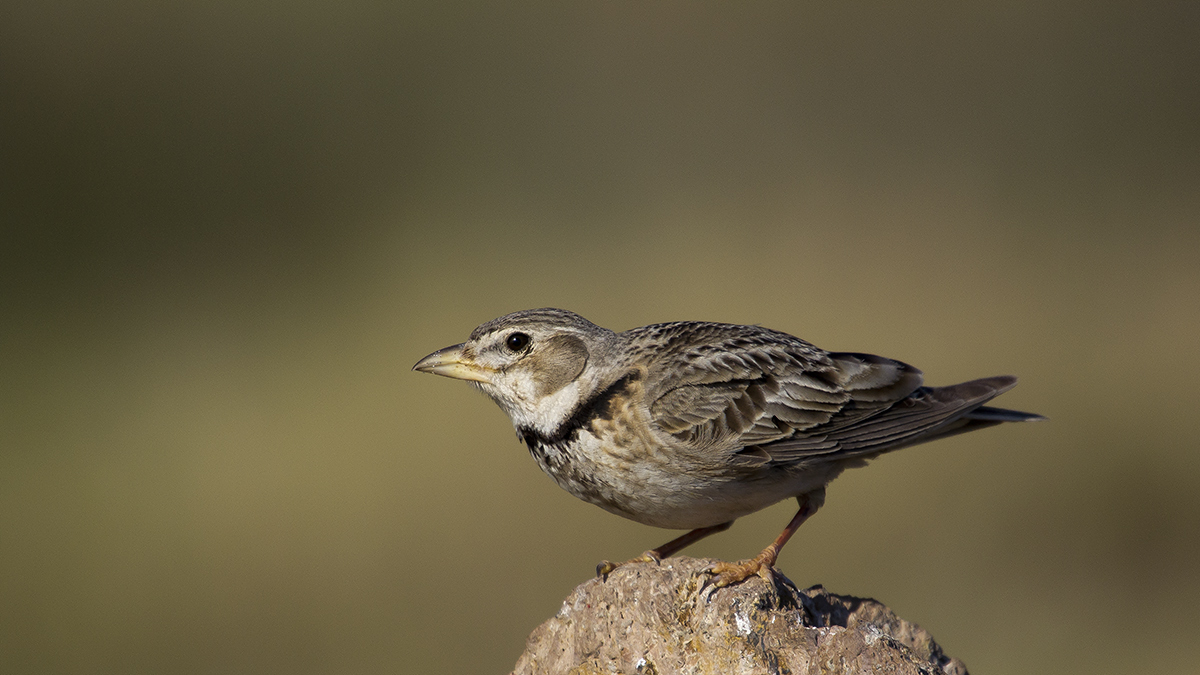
989, 414
969, 414
926, 414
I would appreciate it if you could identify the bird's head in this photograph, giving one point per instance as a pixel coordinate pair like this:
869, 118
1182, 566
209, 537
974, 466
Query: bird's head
535, 364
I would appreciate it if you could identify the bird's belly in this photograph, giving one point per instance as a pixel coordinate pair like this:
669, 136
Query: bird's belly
707, 503
654, 486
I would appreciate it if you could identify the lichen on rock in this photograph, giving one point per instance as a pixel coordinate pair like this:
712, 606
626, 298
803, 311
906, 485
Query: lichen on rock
658, 619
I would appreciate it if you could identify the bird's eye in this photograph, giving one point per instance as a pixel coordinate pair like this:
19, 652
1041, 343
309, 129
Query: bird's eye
516, 342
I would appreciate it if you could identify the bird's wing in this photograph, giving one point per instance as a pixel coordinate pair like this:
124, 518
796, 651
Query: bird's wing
749, 393
925, 414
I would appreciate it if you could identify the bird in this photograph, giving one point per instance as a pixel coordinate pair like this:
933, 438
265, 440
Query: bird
690, 425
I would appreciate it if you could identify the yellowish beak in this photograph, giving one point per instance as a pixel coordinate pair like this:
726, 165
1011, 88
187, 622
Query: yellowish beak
451, 362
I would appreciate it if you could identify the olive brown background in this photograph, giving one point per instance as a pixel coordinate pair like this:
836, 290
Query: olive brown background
230, 229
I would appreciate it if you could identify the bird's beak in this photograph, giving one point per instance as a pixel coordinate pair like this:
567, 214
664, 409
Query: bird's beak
452, 362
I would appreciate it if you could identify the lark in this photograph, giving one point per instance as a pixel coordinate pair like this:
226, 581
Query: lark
691, 425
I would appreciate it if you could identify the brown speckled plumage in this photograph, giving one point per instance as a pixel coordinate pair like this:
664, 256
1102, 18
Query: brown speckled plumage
694, 424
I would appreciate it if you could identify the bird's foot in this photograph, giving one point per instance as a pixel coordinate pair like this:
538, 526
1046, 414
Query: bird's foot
606, 567
729, 573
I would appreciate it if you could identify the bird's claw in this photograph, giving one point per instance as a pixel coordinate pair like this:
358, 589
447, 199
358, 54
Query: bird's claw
606, 567
727, 574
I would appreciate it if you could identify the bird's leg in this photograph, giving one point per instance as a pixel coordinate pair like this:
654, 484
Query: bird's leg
666, 550
728, 573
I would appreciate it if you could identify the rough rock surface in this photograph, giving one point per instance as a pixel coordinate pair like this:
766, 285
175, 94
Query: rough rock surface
652, 619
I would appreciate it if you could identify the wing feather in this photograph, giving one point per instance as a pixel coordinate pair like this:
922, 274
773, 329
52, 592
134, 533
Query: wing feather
723, 388
928, 413
755, 395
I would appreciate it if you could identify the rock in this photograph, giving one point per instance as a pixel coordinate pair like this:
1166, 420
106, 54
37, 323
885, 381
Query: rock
653, 620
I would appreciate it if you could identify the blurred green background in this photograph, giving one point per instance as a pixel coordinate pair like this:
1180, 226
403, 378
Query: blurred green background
230, 229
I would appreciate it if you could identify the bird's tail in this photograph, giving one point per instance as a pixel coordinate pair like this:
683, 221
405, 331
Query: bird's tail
926, 414
972, 415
